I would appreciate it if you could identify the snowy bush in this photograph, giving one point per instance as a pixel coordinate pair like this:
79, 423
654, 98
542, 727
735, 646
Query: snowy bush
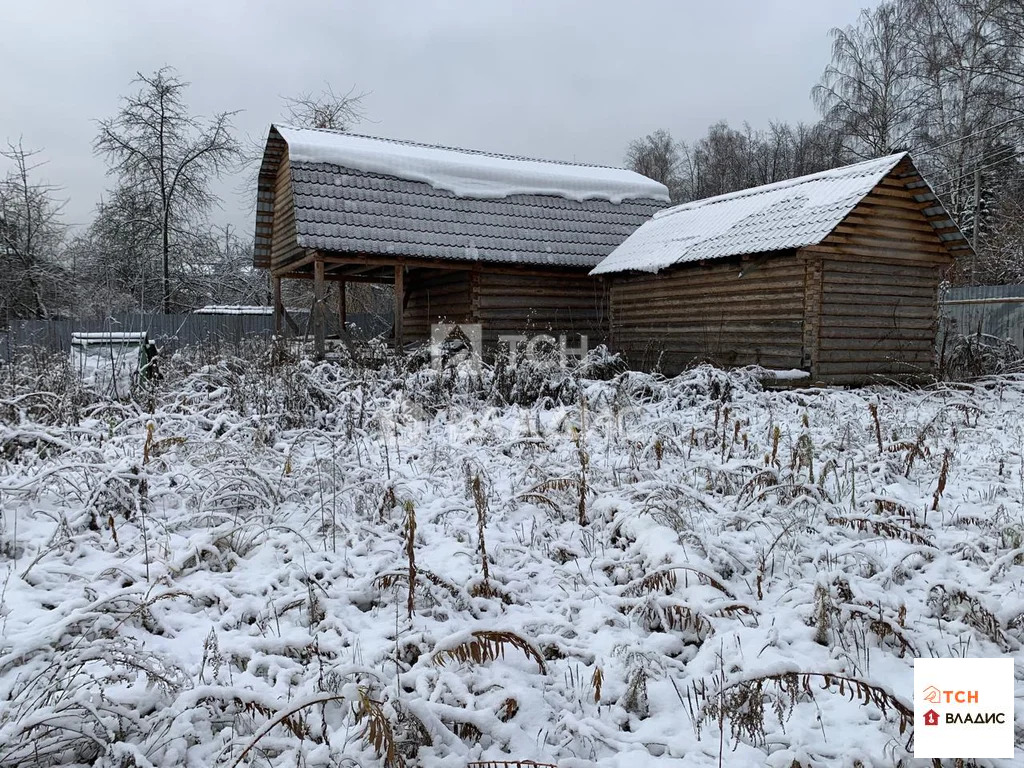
265, 561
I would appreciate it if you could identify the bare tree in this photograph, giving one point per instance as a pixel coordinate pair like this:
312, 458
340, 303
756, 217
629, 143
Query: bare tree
868, 91
326, 110
31, 235
118, 256
967, 109
657, 157
155, 146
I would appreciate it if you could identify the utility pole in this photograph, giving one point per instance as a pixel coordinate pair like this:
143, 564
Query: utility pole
977, 223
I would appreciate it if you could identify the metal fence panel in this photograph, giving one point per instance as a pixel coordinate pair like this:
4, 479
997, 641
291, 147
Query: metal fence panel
171, 332
993, 310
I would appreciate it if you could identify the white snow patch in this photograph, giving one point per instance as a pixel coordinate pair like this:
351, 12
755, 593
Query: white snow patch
468, 174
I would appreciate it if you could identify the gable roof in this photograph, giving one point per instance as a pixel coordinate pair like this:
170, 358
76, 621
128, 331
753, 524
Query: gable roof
366, 195
787, 214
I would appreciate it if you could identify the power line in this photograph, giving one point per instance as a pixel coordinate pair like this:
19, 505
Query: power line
936, 148
1008, 154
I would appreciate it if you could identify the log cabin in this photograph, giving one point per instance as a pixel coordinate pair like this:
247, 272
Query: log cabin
463, 236
835, 274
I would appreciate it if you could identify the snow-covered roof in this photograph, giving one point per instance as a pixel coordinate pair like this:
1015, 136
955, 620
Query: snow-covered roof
108, 337
233, 309
788, 214
468, 173
363, 195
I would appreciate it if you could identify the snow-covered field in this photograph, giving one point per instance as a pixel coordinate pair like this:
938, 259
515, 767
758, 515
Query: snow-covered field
306, 565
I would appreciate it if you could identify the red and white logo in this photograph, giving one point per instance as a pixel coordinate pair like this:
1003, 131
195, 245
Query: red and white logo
972, 699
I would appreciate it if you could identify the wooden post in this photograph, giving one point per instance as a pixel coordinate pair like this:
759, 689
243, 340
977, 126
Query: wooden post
342, 305
278, 307
399, 306
318, 309
977, 225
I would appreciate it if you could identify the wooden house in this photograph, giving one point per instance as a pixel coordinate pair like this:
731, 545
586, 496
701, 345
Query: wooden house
835, 273
463, 236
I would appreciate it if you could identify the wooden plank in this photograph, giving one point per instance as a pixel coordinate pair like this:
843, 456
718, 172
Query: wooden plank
278, 306
899, 270
844, 249
342, 304
318, 310
399, 310
860, 369
875, 326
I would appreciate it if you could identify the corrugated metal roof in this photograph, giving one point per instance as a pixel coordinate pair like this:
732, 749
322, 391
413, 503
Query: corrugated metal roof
788, 214
347, 209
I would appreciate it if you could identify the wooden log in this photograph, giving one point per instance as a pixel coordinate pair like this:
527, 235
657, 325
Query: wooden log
399, 306
318, 310
342, 305
278, 306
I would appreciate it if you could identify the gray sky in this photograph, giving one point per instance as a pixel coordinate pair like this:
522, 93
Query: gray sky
563, 80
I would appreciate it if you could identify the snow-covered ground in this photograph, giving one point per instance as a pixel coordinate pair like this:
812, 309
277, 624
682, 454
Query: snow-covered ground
685, 572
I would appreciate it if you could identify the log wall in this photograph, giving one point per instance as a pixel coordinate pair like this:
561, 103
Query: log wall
436, 296
877, 318
879, 276
532, 302
730, 312
284, 244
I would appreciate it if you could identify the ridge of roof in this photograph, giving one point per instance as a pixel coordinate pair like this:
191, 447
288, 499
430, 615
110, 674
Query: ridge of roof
447, 148
792, 213
863, 168
467, 173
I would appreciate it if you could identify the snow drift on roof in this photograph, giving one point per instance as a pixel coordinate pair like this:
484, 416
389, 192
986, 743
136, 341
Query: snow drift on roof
788, 214
468, 173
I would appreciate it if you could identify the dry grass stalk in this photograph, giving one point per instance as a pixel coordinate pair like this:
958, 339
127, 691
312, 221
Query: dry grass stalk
290, 718
943, 476
743, 702
481, 520
873, 408
487, 645
946, 597
665, 579
393, 579
378, 732
597, 680
885, 528
409, 532
509, 709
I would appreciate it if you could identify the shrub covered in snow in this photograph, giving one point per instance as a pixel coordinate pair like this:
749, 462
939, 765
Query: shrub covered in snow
265, 561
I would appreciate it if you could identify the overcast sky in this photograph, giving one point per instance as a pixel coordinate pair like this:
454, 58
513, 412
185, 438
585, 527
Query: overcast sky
562, 80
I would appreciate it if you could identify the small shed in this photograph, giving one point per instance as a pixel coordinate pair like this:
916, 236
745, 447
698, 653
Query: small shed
464, 236
836, 273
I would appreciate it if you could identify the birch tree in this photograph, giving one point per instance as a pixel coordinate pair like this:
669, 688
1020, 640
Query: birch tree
868, 91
